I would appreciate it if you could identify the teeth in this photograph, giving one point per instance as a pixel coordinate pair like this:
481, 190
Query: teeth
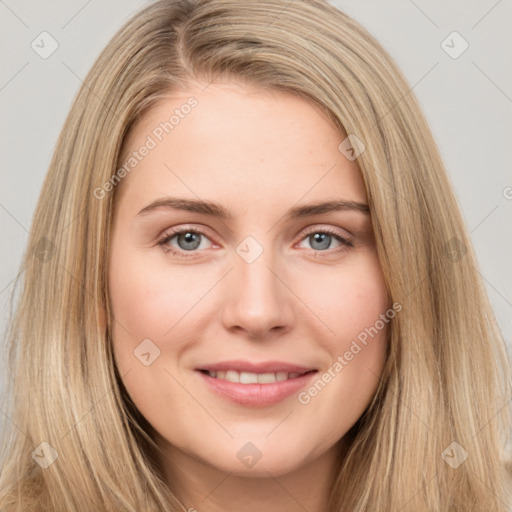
266, 378
232, 376
248, 378
253, 378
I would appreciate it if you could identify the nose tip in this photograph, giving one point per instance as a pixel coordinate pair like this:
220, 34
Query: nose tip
257, 301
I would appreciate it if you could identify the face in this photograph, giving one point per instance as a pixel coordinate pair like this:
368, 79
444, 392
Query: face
277, 295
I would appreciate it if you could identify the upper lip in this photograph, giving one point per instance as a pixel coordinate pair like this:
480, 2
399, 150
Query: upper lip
252, 367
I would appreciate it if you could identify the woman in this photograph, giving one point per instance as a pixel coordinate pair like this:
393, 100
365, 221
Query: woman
248, 284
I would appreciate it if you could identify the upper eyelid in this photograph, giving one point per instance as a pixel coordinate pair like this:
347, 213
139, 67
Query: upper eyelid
324, 227
172, 232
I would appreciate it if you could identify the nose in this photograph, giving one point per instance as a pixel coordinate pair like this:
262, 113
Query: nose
258, 300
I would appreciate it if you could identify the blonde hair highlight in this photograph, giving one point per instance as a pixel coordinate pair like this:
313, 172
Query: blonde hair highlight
447, 375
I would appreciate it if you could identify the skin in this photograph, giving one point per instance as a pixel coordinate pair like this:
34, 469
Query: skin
257, 153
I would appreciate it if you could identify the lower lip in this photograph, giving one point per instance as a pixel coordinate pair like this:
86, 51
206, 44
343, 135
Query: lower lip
256, 395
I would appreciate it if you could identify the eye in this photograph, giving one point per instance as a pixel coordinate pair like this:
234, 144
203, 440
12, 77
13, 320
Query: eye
321, 239
187, 240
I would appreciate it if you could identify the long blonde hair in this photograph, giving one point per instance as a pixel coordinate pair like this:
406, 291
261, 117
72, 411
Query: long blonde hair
434, 436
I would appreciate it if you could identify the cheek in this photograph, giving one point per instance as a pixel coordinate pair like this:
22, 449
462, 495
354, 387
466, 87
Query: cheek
363, 298
358, 312
348, 299
353, 305
149, 302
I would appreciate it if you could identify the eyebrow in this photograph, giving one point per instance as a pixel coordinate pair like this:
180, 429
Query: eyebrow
217, 210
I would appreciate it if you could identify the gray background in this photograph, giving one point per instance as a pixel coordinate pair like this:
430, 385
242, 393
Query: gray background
467, 101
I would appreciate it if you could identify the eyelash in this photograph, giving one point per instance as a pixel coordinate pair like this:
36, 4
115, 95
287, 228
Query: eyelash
346, 243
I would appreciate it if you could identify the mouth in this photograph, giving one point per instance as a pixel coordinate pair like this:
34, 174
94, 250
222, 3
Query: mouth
255, 385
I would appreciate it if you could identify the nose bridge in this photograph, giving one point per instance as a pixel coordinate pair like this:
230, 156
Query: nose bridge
257, 300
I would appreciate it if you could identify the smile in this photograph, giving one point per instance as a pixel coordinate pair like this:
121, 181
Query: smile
255, 384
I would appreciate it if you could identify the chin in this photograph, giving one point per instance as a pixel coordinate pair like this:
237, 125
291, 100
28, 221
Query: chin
258, 459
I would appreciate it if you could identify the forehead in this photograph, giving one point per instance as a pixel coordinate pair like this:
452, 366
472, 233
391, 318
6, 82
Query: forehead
238, 145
